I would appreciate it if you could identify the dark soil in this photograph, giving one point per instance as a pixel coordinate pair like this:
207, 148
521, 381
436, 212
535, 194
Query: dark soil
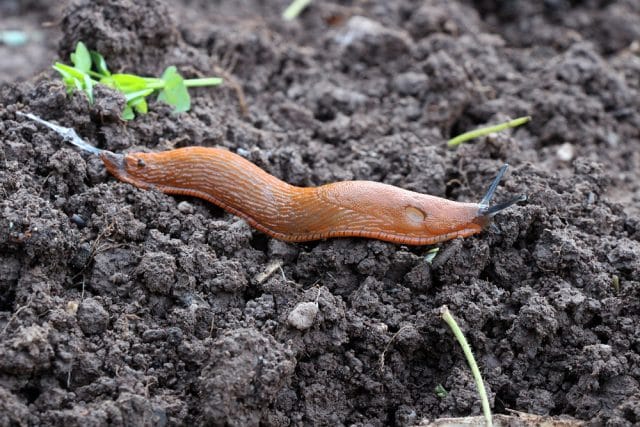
129, 307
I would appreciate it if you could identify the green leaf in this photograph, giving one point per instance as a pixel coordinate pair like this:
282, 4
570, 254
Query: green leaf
70, 84
139, 104
81, 58
136, 102
175, 92
90, 68
141, 93
78, 84
99, 63
70, 71
67, 78
125, 83
127, 113
88, 87
440, 391
75, 79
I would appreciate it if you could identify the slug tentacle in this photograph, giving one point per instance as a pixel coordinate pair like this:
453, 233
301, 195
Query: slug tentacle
492, 210
492, 188
489, 211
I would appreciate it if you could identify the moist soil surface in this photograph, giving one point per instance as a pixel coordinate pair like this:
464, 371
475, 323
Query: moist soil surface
123, 306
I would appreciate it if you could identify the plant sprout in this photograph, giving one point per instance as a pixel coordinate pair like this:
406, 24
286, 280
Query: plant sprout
294, 9
440, 391
431, 254
449, 320
454, 142
89, 68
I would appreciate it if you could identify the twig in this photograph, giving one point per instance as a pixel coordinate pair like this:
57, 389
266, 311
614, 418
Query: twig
15, 315
386, 348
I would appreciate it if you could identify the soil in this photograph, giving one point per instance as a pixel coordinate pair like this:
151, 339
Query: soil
129, 307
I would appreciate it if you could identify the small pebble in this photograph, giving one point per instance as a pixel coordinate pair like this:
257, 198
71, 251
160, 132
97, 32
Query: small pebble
92, 317
381, 328
185, 207
78, 220
174, 336
303, 315
13, 38
566, 152
72, 307
410, 83
151, 335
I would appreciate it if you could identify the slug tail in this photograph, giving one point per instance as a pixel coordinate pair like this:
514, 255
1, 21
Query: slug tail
68, 134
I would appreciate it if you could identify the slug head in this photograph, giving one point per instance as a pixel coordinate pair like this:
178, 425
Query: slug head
436, 219
144, 170
425, 219
397, 215
478, 216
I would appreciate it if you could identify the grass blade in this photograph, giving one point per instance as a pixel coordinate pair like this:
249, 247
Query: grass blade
482, 392
454, 142
294, 9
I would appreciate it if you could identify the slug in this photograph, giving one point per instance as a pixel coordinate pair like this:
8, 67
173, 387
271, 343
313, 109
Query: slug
296, 214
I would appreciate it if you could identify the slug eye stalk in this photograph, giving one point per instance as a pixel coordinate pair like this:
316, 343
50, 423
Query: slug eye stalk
485, 209
492, 210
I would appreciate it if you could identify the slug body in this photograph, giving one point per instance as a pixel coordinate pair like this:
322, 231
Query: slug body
295, 214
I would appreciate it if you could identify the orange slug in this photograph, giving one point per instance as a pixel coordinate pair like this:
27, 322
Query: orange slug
295, 214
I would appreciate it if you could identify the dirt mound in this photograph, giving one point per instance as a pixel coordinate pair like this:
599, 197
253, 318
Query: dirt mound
131, 307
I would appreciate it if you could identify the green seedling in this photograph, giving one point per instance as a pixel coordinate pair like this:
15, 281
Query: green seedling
89, 68
440, 391
615, 282
466, 349
431, 255
454, 142
294, 9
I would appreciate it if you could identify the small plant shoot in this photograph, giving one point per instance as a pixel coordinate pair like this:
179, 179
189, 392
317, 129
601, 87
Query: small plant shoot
294, 9
89, 68
475, 371
454, 142
431, 255
441, 392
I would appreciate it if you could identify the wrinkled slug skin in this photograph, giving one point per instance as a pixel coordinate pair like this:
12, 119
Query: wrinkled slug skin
286, 212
